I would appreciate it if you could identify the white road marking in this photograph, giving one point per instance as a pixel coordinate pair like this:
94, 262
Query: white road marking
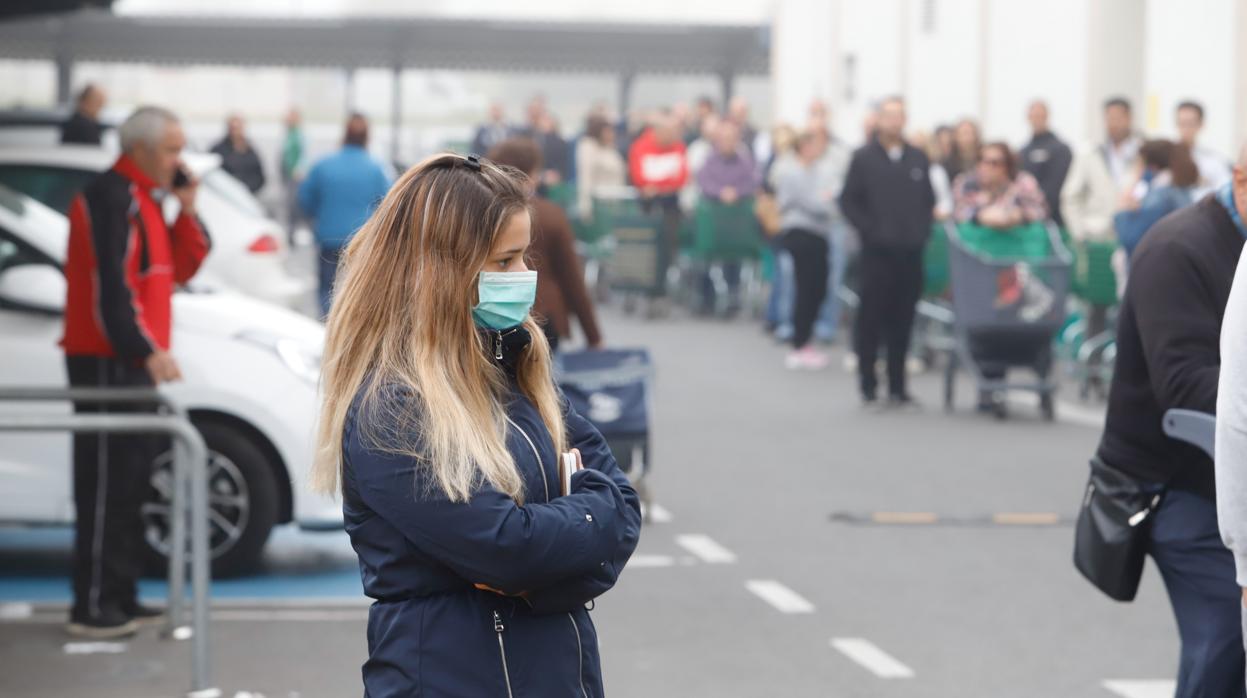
1134, 688
651, 561
782, 598
658, 514
875, 660
705, 548
16, 611
95, 647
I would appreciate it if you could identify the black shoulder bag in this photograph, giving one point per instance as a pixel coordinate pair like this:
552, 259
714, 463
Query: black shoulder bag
1110, 539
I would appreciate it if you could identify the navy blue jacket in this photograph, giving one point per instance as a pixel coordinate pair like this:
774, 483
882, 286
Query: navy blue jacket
430, 632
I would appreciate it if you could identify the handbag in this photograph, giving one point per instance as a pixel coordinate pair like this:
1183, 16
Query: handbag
766, 209
1111, 536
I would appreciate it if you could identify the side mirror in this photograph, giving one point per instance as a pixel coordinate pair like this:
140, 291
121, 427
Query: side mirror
38, 288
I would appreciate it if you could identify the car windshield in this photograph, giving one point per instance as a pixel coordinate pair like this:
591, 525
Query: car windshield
37, 225
233, 191
54, 187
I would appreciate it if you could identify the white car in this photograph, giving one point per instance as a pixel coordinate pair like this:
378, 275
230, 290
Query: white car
248, 249
250, 373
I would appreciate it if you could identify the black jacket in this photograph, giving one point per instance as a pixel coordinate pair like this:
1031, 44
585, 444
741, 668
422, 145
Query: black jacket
82, 129
1168, 344
890, 203
1048, 161
243, 164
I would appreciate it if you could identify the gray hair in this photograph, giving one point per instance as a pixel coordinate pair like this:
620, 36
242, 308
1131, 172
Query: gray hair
1242, 158
145, 125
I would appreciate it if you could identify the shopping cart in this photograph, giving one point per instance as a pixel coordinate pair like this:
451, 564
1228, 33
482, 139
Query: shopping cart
725, 235
1009, 293
611, 389
641, 249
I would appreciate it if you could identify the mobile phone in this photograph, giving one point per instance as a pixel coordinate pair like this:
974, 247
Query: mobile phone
567, 466
180, 178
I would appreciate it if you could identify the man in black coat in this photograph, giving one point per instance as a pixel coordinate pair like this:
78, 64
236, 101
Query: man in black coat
1046, 158
888, 198
238, 156
1169, 356
84, 126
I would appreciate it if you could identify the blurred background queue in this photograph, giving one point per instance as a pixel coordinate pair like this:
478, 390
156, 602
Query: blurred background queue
698, 125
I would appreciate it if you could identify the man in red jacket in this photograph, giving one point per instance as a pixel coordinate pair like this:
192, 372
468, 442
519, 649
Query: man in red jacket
123, 263
658, 166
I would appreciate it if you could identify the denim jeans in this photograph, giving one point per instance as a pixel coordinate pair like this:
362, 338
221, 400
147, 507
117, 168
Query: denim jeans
327, 267
827, 326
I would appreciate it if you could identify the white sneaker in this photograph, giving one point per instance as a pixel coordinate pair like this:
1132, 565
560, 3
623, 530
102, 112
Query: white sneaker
807, 359
850, 362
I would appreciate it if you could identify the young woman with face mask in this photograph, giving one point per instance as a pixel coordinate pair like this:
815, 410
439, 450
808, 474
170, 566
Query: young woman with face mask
443, 431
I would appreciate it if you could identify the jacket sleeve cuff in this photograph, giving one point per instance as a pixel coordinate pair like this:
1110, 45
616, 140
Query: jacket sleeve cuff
1240, 567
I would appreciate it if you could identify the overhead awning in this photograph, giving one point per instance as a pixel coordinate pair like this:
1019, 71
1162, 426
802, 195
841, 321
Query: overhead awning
16, 8
396, 42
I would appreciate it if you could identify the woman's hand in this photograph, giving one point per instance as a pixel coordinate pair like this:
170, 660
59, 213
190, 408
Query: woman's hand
499, 592
995, 217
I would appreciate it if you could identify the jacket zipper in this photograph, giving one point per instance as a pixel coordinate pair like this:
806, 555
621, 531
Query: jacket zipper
498, 335
580, 655
541, 466
502, 652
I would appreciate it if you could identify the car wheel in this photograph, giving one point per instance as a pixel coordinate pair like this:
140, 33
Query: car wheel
242, 496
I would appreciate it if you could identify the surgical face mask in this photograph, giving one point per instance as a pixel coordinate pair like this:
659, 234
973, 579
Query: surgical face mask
506, 298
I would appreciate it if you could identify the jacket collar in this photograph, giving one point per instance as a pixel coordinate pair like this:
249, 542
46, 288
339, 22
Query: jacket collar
126, 167
884, 150
1225, 197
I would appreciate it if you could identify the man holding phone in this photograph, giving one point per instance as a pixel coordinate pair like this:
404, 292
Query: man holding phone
123, 263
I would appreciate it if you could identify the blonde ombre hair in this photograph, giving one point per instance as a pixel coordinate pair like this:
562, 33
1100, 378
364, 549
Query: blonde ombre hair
402, 317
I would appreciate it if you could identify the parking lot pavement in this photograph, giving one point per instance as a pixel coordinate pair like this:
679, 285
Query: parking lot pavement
802, 547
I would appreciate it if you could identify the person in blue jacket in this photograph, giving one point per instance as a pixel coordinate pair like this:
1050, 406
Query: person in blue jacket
338, 195
443, 430
1164, 184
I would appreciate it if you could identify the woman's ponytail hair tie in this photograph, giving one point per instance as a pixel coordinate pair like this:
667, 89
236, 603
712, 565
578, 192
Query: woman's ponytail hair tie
472, 162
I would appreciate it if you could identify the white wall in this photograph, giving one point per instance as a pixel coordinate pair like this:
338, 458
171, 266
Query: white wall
808, 56
1191, 55
943, 62
870, 35
1036, 50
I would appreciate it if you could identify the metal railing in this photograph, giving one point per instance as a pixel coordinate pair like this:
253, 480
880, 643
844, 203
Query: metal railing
190, 457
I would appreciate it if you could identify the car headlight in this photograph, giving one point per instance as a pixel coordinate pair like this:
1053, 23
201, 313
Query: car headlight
301, 357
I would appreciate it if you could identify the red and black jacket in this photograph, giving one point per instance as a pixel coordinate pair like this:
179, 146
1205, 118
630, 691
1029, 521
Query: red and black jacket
122, 266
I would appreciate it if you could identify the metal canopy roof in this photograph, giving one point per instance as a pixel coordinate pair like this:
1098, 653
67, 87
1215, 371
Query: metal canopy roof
387, 42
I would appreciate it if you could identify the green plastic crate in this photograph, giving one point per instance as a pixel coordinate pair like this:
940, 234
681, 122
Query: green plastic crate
1023, 242
935, 263
726, 232
563, 194
1094, 279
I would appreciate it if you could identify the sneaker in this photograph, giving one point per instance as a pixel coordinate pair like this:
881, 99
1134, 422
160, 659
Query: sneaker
145, 616
807, 359
107, 626
903, 402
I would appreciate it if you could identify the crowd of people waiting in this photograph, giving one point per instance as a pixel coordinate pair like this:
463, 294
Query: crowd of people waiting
818, 200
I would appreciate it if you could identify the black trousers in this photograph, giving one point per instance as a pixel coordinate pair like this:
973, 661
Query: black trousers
112, 474
891, 284
668, 235
810, 268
